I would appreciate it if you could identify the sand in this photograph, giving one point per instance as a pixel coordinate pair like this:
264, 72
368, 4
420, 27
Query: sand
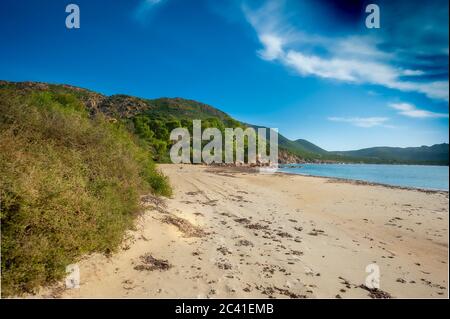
230, 233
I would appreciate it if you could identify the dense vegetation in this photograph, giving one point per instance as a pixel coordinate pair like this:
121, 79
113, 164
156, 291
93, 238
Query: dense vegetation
70, 184
154, 131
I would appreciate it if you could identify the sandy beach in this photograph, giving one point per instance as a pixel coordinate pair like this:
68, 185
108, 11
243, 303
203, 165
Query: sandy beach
229, 233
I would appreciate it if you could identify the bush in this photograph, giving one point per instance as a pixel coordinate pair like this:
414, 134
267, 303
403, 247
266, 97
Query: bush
69, 185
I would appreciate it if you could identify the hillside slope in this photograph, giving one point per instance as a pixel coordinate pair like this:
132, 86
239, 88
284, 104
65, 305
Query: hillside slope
152, 120
70, 183
310, 147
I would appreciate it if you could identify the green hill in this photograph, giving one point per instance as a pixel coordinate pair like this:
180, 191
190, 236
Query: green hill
153, 119
310, 147
437, 154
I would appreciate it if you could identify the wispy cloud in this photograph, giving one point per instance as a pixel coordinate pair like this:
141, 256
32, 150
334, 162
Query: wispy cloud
365, 122
410, 110
353, 59
144, 8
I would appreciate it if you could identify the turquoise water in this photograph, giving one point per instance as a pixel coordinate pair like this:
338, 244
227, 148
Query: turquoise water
417, 176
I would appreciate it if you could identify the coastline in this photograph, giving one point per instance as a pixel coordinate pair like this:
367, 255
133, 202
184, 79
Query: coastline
341, 179
362, 163
230, 233
362, 182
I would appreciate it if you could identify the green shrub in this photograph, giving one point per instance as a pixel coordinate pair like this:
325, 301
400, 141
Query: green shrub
69, 185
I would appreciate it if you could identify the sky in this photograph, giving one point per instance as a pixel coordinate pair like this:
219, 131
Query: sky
310, 68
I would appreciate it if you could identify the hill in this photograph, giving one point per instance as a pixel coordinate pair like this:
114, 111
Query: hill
437, 154
153, 119
310, 147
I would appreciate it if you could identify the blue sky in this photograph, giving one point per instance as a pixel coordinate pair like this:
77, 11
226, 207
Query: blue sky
309, 68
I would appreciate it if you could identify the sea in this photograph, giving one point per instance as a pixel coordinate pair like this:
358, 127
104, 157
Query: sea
415, 176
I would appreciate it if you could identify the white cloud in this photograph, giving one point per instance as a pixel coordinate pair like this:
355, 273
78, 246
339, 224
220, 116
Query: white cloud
359, 46
354, 59
410, 110
351, 70
413, 72
273, 47
365, 122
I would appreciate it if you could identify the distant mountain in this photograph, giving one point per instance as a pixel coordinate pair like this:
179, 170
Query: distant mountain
435, 154
162, 113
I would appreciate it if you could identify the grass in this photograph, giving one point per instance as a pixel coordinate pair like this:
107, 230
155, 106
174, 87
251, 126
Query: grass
70, 184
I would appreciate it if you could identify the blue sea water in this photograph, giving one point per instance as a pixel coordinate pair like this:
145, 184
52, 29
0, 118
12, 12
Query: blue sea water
417, 176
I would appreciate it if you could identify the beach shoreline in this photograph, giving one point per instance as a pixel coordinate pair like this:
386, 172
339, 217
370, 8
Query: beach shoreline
233, 233
339, 179
367, 183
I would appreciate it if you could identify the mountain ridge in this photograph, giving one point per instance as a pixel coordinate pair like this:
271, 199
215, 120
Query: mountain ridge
122, 106
435, 152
